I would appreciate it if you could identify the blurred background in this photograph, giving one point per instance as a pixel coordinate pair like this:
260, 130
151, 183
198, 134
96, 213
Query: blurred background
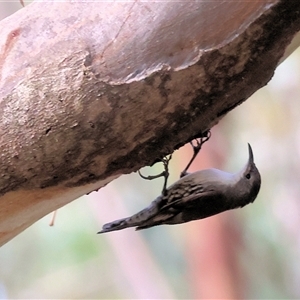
247, 253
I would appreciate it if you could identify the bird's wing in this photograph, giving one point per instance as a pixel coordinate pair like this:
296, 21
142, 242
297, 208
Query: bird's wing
179, 202
189, 200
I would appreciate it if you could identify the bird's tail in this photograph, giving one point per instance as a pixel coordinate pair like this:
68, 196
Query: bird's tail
136, 220
116, 225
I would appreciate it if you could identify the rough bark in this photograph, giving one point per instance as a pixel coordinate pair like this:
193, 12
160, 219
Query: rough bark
90, 91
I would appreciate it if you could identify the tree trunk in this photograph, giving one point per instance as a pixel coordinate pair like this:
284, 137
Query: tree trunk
90, 91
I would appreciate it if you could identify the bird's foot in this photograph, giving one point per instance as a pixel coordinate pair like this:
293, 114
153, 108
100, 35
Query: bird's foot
196, 148
164, 174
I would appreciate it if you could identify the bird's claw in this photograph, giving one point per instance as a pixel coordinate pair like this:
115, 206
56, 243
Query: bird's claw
164, 174
196, 149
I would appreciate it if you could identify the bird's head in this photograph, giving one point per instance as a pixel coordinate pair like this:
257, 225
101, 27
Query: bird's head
249, 180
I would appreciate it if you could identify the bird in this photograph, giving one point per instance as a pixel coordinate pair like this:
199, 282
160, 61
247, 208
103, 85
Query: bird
195, 196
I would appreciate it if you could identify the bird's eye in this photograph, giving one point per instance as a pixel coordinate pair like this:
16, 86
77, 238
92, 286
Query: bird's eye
248, 176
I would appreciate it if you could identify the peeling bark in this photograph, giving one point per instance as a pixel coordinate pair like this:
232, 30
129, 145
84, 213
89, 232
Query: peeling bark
90, 91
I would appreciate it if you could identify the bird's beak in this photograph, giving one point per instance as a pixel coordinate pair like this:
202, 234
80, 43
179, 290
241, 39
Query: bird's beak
251, 158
